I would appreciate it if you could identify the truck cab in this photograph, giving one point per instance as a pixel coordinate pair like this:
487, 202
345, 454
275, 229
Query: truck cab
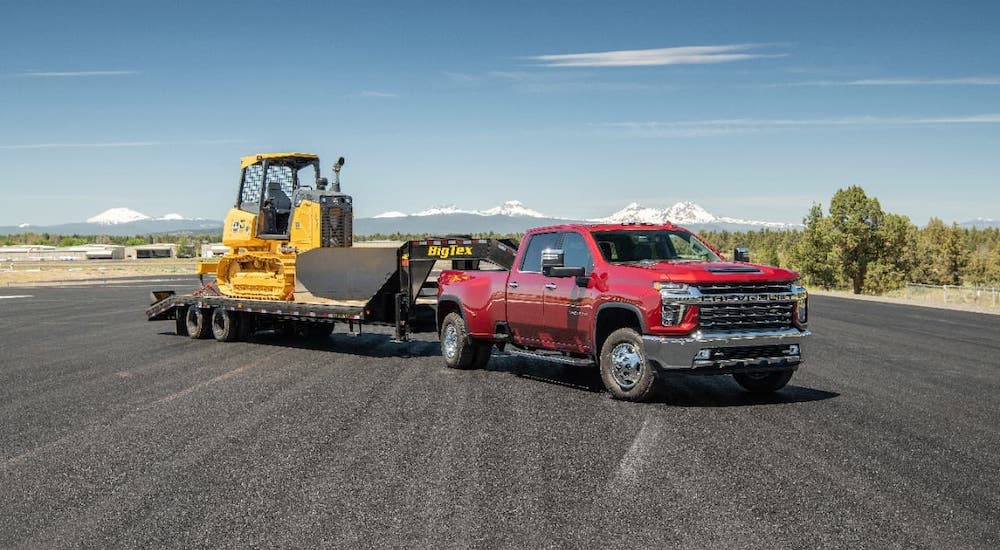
637, 300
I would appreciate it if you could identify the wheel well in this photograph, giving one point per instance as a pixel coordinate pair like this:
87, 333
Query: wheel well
611, 319
444, 308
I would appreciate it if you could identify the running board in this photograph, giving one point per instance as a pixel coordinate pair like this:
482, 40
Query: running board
553, 357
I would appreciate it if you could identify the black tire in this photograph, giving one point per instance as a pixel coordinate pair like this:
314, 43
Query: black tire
764, 382
457, 347
199, 322
624, 369
180, 321
225, 325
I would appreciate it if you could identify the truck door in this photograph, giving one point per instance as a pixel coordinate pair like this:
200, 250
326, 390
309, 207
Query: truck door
525, 294
568, 308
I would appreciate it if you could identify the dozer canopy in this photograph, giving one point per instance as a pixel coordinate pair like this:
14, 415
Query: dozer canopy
298, 159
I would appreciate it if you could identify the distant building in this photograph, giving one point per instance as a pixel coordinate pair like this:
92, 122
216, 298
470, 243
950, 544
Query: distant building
151, 251
41, 253
214, 250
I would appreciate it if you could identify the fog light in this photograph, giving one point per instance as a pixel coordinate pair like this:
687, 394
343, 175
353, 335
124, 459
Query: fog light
703, 355
672, 314
793, 349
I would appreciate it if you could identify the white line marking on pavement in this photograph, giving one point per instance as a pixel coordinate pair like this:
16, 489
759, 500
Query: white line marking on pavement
17, 296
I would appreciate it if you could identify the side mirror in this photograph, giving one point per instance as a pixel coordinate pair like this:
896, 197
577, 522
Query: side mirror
552, 258
741, 254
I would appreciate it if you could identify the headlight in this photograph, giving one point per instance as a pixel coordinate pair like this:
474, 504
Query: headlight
672, 312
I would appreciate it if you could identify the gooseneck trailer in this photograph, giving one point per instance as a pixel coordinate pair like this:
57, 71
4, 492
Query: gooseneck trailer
357, 286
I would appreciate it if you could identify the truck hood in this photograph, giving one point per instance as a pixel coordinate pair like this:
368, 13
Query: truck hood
694, 272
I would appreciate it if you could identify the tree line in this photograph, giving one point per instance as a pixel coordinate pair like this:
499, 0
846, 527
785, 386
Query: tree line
854, 245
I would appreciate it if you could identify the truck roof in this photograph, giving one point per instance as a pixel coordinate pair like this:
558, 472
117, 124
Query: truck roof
604, 227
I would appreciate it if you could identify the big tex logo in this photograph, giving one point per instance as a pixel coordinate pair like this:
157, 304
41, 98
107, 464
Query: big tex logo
448, 251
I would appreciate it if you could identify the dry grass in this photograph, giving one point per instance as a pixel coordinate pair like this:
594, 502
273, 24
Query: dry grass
14, 274
928, 300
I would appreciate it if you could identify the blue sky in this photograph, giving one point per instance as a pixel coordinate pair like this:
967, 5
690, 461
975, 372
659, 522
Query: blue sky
751, 109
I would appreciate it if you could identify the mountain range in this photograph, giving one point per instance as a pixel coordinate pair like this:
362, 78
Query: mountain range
508, 217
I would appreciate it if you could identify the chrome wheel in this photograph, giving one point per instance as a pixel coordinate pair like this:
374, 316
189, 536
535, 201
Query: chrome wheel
450, 341
626, 365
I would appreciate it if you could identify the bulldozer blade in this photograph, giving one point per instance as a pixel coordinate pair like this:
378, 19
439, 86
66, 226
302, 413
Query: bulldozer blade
345, 273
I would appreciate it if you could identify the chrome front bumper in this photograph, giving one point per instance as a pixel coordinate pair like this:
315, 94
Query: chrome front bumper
709, 352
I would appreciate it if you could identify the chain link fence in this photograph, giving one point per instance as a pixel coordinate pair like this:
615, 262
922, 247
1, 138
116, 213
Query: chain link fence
979, 296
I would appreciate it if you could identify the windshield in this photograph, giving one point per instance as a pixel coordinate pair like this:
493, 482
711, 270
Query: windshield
651, 245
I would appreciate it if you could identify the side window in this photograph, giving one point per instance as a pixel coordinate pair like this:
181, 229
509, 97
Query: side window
576, 253
253, 179
532, 259
280, 178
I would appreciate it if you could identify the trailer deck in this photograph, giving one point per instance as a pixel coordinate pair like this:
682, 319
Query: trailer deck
356, 285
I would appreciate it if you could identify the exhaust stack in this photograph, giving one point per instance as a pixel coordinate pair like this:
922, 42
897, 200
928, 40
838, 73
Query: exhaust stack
336, 174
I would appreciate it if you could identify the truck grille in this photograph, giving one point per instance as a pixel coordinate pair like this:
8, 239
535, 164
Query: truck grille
746, 316
746, 288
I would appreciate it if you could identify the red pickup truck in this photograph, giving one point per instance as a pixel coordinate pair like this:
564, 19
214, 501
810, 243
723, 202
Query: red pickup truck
637, 300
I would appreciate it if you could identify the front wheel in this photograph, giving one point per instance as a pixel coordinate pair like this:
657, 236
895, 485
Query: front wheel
763, 382
460, 351
624, 369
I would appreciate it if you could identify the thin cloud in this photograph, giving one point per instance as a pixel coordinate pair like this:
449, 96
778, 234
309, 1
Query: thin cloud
714, 127
113, 144
963, 81
375, 93
70, 74
684, 55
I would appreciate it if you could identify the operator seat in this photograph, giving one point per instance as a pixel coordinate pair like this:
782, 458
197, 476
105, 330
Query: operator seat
281, 204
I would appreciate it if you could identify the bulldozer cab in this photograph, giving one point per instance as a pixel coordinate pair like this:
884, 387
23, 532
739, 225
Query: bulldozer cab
267, 185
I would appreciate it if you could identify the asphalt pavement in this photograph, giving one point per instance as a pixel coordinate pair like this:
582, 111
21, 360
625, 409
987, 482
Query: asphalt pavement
114, 432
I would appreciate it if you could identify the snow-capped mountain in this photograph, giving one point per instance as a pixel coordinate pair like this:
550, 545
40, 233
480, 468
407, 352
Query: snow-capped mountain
681, 213
509, 208
445, 209
512, 208
122, 222
117, 215
515, 217
114, 216
980, 223
635, 213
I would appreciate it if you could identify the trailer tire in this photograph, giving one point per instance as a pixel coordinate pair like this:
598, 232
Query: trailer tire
457, 347
180, 321
624, 369
225, 325
199, 322
761, 383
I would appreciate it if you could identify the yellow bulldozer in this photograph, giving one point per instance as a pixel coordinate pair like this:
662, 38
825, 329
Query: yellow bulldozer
284, 208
